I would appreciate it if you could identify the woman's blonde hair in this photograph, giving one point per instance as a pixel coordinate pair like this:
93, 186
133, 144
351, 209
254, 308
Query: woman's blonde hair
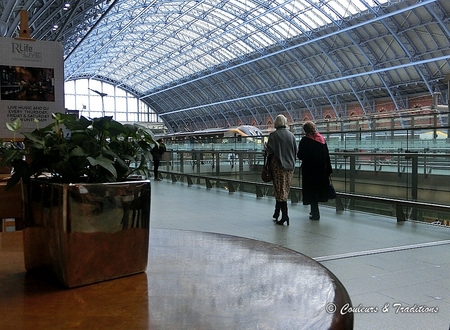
280, 121
309, 127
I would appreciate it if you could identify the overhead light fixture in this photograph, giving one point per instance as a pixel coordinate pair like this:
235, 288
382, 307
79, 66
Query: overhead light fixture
66, 6
55, 27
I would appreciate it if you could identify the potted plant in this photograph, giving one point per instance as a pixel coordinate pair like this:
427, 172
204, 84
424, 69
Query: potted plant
86, 208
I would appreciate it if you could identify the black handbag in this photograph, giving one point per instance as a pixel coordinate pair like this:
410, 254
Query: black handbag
331, 190
266, 174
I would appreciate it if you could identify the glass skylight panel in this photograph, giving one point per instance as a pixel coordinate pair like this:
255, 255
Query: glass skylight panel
281, 30
334, 10
297, 6
259, 12
183, 68
259, 40
287, 30
240, 5
248, 29
167, 75
237, 48
224, 42
140, 29
176, 43
144, 86
231, 51
347, 8
182, 38
148, 77
266, 19
223, 15
216, 18
192, 67
319, 18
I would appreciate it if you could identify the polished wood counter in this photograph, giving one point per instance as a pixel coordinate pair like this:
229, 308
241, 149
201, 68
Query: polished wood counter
193, 280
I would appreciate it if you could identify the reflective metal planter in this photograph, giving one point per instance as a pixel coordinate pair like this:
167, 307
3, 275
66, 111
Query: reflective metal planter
86, 233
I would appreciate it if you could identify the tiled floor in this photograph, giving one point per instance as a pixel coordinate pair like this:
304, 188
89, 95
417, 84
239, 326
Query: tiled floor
400, 270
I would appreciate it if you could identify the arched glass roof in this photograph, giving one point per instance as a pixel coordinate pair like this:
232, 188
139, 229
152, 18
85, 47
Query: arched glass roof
159, 42
210, 63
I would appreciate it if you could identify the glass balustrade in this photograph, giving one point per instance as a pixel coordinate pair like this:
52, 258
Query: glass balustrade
411, 164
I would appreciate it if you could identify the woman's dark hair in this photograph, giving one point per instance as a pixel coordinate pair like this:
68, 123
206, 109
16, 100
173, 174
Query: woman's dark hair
309, 127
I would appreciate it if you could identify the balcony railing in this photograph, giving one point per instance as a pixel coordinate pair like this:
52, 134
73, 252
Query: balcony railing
407, 185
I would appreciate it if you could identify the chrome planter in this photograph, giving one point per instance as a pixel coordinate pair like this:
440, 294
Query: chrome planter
86, 233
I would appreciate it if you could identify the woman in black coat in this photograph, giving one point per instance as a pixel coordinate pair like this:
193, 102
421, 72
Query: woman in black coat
316, 168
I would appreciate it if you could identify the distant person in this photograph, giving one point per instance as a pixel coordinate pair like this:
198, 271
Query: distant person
281, 148
316, 168
157, 153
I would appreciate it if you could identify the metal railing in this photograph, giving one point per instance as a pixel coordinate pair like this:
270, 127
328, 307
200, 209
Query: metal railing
261, 189
405, 185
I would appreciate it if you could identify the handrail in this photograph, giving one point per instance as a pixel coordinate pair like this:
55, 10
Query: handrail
399, 204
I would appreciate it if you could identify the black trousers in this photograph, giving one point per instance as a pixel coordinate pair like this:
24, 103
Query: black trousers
155, 167
315, 210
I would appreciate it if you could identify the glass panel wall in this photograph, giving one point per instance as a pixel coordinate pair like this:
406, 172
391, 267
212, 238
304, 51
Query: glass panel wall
93, 98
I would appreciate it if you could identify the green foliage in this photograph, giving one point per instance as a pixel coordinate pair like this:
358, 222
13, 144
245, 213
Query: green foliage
71, 150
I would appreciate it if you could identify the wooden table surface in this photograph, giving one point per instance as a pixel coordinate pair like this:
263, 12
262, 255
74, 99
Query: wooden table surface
193, 280
10, 202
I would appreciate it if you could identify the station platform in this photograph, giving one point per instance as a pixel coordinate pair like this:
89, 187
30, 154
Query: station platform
396, 273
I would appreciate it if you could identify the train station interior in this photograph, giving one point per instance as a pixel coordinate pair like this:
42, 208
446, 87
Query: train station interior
210, 77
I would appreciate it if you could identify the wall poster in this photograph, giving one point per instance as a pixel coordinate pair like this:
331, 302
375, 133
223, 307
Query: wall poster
31, 83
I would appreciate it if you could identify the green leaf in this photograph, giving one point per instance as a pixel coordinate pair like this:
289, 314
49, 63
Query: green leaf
11, 155
15, 125
77, 152
105, 163
33, 137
